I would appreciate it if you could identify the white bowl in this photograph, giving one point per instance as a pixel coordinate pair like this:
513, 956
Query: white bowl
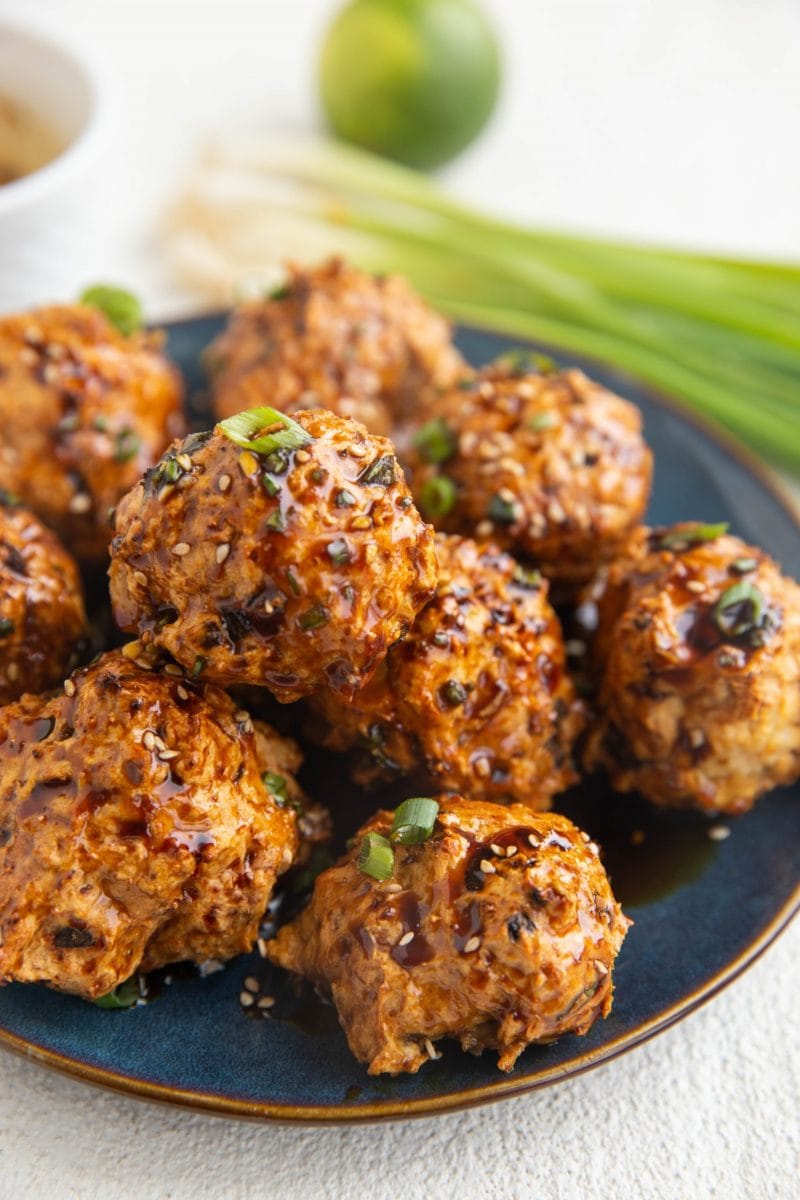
48, 219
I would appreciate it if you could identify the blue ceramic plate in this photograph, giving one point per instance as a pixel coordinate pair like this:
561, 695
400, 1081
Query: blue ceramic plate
703, 909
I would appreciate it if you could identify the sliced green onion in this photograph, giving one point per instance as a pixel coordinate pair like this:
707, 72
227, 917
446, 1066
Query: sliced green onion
124, 995
376, 856
740, 609
414, 821
9, 499
501, 511
198, 665
382, 472
682, 539
338, 552
126, 445
437, 496
435, 441
527, 577
276, 786
344, 499
453, 693
269, 485
121, 308
541, 421
6, 627
276, 521
743, 566
313, 617
281, 292
522, 361
264, 430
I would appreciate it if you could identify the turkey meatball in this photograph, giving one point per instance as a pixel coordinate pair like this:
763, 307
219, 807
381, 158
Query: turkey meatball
551, 467
42, 617
334, 338
698, 650
285, 568
141, 823
499, 930
84, 412
475, 698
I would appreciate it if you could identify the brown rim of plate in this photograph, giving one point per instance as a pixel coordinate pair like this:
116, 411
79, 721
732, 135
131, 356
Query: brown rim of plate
506, 1086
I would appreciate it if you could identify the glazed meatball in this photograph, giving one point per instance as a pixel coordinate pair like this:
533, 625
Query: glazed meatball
475, 698
698, 651
42, 618
334, 338
283, 569
84, 412
138, 827
499, 930
552, 467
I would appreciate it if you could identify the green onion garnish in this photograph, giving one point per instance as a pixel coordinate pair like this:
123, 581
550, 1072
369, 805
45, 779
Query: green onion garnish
124, 995
264, 430
281, 292
437, 496
376, 856
435, 441
313, 617
541, 421
414, 821
276, 521
527, 577
338, 552
453, 693
9, 499
740, 609
344, 499
269, 485
126, 445
682, 539
276, 786
522, 361
121, 308
743, 566
197, 666
382, 472
501, 511
6, 627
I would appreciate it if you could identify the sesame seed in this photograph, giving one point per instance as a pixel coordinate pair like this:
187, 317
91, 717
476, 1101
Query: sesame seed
575, 647
697, 738
140, 578
265, 1002
185, 481
358, 451
51, 373
482, 768
246, 1000
286, 856
532, 840
173, 669
695, 585
488, 867
159, 742
511, 851
182, 692
555, 513
144, 663
392, 888
28, 356
593, 846
718, 833
507, 495
601, 968
484, 529
302, 456
183, 460
495, 849
181, 548
69, 687
80, 504
224, 483
222, 552
148, 739
430, 1050
166, 492
131, 649
12, 672
168, 755
471, 945
251, 983
262, 947
241, 715
406, 938
361, 523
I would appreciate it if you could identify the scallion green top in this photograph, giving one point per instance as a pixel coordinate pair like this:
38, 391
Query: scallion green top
264, 430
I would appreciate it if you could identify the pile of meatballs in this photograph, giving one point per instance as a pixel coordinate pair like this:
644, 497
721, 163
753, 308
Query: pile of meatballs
403, 592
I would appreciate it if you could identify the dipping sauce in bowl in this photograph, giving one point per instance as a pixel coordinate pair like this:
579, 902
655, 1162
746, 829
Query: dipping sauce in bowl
26, 141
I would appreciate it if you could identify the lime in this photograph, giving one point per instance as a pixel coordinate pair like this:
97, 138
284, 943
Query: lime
415, 80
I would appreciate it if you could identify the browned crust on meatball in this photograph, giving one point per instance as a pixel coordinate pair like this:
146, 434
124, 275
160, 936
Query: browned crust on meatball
308, 579
693, 713
475, 698
42, 616
552, 467
136, 828
335, 338
84, 411
499, 930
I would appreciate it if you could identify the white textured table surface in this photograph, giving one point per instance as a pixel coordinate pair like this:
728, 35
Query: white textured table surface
669, 119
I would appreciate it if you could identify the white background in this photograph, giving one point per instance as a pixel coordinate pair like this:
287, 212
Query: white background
672, 120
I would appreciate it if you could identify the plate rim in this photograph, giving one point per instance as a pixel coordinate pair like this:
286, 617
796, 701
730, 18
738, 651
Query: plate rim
504, 1087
